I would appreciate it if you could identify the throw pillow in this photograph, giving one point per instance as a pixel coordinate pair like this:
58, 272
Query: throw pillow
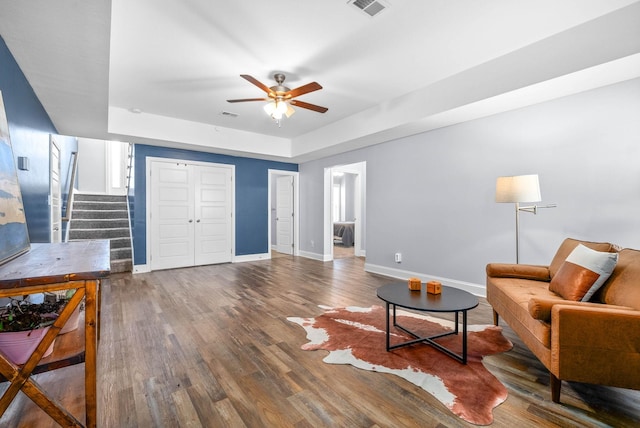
583, 273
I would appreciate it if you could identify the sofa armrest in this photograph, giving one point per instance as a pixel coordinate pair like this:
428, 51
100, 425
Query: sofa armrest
596, 345
508, 270
540, 308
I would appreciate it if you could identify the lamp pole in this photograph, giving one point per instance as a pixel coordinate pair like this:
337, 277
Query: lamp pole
517, 232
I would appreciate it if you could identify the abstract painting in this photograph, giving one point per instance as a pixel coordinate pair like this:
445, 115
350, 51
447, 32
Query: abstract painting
14, 236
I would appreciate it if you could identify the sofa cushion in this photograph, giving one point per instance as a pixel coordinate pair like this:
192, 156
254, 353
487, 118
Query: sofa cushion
522, 271
512, 296
583, 273
623, 287
569, 244
540, 307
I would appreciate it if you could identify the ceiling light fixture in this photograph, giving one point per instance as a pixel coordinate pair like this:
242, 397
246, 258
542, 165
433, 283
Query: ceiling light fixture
277, 108
282, 98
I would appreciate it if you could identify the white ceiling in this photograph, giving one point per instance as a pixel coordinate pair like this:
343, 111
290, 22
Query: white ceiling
416, 66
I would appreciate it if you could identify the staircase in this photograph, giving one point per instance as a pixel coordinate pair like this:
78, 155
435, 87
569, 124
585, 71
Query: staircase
103, 217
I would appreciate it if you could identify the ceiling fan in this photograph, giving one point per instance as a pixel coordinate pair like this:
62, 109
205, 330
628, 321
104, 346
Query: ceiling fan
281, 97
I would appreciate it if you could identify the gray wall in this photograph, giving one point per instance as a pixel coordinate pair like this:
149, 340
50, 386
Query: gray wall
350, 196
431, 196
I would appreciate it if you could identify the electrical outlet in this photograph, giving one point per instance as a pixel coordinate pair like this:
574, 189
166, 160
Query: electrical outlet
398, 257
313, 244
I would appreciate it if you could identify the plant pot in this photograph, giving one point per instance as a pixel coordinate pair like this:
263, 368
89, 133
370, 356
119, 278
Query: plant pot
19, 345
72, 322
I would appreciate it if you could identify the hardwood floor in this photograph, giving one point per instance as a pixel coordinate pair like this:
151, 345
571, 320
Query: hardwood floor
341, 252
210, 346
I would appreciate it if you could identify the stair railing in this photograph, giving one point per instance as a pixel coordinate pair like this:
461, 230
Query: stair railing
69, 210
130, 156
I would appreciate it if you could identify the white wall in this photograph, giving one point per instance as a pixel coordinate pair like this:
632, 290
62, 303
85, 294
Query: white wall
431, 195
92, 172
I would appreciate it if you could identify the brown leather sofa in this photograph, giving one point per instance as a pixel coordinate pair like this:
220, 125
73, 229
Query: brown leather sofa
593, 342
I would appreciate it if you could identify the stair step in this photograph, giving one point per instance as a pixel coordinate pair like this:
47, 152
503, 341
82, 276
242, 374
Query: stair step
120, 232
118, 266
122, 242
98, 223
94, 197
98, 214
120, 253
94, 205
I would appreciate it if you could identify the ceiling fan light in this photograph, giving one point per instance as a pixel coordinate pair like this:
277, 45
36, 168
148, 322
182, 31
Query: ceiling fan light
270, 108
281, 107
289, 111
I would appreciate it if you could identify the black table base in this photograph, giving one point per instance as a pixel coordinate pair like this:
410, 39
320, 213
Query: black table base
430, 340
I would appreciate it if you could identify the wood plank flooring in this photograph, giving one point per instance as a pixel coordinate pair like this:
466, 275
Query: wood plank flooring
210, 347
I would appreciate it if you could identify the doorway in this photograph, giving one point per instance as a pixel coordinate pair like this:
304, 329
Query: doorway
345, 215
102, 166
283, 211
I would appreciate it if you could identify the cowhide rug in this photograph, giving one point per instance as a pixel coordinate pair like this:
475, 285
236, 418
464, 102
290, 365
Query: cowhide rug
356, 336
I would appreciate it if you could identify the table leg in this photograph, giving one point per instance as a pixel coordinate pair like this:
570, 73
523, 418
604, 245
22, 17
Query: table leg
388, 327
430, 340
464, 336
91, 340
456, 330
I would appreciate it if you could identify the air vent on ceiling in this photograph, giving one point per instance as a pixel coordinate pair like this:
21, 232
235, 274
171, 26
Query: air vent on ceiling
370, 7
229, 114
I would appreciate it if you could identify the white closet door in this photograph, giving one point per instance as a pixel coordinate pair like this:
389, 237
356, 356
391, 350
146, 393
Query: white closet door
212, 215
172, 215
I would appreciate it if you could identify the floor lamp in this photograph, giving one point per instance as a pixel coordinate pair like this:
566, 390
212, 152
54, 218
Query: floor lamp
517, 189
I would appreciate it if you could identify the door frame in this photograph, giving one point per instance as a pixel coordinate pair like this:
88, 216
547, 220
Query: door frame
360, 170
52, 232
148, 161
296, 206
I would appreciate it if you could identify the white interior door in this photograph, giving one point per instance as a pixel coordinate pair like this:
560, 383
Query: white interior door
284, 214
212, 215
190, 217
172, 215
55, 194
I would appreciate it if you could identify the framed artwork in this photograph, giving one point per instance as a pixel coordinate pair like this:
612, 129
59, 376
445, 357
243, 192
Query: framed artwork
14, 236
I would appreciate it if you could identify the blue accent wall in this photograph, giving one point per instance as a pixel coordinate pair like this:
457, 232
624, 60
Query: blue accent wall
29, 130
251, 190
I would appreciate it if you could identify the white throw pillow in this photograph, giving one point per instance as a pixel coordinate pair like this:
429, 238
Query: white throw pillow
583, 273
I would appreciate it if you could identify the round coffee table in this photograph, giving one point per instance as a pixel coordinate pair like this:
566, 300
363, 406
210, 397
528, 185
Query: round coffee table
450, 300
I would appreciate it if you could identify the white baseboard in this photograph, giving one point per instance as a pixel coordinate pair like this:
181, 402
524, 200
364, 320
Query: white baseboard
141, 268
251, 257
315, 256
475, 289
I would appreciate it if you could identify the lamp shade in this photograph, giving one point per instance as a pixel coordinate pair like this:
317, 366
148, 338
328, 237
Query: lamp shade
518, 188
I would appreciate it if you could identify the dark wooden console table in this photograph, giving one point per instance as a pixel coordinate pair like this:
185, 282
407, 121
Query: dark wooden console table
79, 265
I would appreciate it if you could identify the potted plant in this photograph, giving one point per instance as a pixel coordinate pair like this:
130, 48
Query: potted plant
22, 325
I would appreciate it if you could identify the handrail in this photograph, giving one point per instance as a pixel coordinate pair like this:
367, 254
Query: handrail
129, 166
130, 155
69, 210
67, 216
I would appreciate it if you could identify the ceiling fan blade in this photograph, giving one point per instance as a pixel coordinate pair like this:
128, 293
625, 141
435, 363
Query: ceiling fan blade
305, 89
308, 106
256, 82
247, 99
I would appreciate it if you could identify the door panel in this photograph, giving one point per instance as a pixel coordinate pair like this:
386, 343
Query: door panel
171, 216
213, 215
284, 214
